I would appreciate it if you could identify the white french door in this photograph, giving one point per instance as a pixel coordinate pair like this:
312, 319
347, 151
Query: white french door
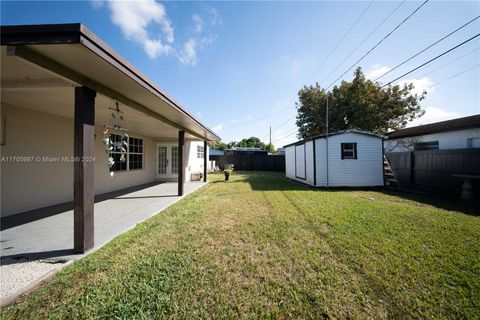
167, 161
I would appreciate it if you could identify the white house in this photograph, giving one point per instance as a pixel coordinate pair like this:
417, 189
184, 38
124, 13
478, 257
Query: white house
348, 158
461, 133
78, 120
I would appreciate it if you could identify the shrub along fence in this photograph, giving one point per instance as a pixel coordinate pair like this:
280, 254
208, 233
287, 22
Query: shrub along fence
252, 162
434, 168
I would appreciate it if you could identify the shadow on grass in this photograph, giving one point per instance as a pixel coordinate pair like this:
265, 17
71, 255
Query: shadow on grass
276, 181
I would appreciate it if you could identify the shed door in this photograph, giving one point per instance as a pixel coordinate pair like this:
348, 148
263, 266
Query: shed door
300, 170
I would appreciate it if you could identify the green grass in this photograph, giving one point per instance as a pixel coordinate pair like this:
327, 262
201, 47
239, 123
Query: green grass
260, 246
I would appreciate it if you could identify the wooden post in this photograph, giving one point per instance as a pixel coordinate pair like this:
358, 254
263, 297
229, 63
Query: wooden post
181, 143
205, 171
83, 169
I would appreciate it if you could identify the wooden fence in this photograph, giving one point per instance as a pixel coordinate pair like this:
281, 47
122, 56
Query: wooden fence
252, 162
434, 168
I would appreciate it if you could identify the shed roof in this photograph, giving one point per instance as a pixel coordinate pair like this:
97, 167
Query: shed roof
443, 126
333, 134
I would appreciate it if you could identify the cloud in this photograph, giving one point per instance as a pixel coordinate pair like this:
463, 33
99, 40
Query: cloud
146, 22
97, 4
134, 18
420, 85
198, 23
376, 71
432, 115
199, 114
218, 127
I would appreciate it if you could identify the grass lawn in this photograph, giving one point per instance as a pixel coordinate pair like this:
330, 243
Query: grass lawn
260, 246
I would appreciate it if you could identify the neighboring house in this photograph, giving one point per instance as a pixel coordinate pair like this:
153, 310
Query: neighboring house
461, 133
215, 152
244, 151
68, 101
348, 158
280, 152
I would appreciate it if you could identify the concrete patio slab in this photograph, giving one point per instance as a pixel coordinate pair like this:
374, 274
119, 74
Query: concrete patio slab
51, 237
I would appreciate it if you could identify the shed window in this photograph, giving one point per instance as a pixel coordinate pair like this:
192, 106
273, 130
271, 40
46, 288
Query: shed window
428, 145
200, 152
349, 151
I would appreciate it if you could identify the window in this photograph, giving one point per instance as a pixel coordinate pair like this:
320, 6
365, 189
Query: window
135, 154
131, 157
119, 156
200, 152
473, 142
349, 151
428, 145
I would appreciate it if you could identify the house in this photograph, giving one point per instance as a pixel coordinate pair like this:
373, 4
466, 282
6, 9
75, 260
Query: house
280, 152
244, 151
78, 120
461, 133
348, 158
215, 152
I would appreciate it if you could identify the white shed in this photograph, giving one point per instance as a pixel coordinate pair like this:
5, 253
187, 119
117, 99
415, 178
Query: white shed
348, 158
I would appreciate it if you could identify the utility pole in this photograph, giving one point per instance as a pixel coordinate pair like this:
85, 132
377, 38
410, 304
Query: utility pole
270, 134
326, 137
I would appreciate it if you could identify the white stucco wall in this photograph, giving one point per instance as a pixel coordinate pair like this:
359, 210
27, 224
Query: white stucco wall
36, 184
193, 163
446, 140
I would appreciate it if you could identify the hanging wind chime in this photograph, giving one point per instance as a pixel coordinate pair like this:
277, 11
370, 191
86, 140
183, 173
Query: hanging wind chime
112, 146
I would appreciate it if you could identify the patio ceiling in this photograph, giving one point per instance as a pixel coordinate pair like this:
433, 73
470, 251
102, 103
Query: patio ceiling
39, 71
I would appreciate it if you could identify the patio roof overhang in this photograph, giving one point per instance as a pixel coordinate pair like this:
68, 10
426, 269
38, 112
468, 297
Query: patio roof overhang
48, 61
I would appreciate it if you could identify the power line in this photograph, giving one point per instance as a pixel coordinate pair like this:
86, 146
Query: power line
363, 41
284, 123
422, 51
431, 60
454, 76
448, 63
258, 119
285, 136
378, 43
341, 40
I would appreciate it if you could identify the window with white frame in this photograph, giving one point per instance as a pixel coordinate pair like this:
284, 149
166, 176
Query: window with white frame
135, 154
128, 158
349, 151
427, 145
200, 152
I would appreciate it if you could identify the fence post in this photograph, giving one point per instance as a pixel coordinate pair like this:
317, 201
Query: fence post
412, 167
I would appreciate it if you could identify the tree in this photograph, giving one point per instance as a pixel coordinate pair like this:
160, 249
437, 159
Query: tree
252, 142
270, 148
361, 104
219, 145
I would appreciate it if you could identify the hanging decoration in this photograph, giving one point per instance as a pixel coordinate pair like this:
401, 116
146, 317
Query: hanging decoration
114, 147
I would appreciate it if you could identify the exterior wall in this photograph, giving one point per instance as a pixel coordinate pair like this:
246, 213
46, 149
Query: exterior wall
305, 162
193, 163
35, 184
309, 162
366, 170
446, 140
290, 162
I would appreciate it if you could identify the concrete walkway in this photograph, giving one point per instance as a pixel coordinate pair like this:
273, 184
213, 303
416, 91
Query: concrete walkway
37, 244
52, 237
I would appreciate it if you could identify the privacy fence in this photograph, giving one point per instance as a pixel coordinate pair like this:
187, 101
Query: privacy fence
252, 162
434, 168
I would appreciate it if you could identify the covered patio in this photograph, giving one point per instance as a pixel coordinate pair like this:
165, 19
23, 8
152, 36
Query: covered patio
92, 145
50, 235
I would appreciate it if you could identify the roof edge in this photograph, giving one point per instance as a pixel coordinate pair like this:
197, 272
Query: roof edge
321, 136
71, 33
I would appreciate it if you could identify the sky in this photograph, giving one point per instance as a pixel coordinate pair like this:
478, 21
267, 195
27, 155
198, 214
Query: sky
238, 66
